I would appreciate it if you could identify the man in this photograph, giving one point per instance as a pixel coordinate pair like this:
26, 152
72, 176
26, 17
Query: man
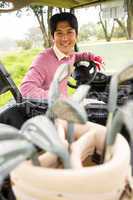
64, 32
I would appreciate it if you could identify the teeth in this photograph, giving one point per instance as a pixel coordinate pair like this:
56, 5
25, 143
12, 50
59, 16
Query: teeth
65, 45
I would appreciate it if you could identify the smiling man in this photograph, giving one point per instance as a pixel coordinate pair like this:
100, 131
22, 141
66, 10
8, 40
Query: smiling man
64, 32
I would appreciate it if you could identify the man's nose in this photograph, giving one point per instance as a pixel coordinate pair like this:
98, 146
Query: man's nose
65, 36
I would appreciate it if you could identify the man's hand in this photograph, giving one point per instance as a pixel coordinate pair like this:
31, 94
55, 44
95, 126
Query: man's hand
98, 60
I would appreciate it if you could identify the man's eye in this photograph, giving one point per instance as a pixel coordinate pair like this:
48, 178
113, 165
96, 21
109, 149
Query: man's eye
71, 32
59, 33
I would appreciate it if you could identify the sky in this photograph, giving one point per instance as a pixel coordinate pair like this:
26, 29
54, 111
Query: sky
16, 27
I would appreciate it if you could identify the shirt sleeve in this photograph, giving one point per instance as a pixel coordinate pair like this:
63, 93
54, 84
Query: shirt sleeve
87, 56
82, 56
31, 86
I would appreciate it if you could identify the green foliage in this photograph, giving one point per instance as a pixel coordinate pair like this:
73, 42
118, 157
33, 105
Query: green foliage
99, 32
90, 30
17, 65
4, 98
34, 34
39, 10
118, 33
24, 44
87, 30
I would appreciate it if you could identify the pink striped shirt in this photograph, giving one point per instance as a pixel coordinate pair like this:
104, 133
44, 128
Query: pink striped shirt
40, 75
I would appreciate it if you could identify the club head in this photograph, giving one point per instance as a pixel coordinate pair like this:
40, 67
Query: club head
116, 119
70, 111
41, 132
126, 73
123, 75
12, 153
123, 116
8, 132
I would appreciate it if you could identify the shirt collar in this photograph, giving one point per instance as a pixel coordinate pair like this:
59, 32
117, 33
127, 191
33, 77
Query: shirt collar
58, 53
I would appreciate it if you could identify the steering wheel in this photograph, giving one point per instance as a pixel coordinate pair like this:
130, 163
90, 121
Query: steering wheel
84, 73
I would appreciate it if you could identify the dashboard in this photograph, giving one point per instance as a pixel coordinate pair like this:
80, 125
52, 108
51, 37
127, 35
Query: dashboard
100, 89
98, 111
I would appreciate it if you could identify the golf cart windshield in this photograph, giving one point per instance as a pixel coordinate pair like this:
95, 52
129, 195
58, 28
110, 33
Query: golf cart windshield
106, 37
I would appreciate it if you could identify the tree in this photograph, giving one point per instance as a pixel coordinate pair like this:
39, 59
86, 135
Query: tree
123, 27
35, 35
43, 14
127, 28
105, 25
86, 31
40, 13
99, 32
24, 44
129, 6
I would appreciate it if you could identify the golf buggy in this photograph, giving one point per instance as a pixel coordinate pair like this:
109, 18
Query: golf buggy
39, 165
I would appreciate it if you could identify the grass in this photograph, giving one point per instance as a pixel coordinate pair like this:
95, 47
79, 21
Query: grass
17, 64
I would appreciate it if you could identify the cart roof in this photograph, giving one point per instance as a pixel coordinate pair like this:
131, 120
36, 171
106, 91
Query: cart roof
18, 4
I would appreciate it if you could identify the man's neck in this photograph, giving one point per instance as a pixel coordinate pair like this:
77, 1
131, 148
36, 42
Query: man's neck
60, 55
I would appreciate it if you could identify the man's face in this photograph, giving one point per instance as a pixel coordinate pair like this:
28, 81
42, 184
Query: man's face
65, 37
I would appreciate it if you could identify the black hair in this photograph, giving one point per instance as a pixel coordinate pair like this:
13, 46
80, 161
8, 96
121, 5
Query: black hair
64, 16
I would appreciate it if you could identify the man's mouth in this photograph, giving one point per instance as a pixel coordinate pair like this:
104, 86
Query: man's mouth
65, 45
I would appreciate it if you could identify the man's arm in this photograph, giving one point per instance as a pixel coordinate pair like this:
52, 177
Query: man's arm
31, 86
87, 56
